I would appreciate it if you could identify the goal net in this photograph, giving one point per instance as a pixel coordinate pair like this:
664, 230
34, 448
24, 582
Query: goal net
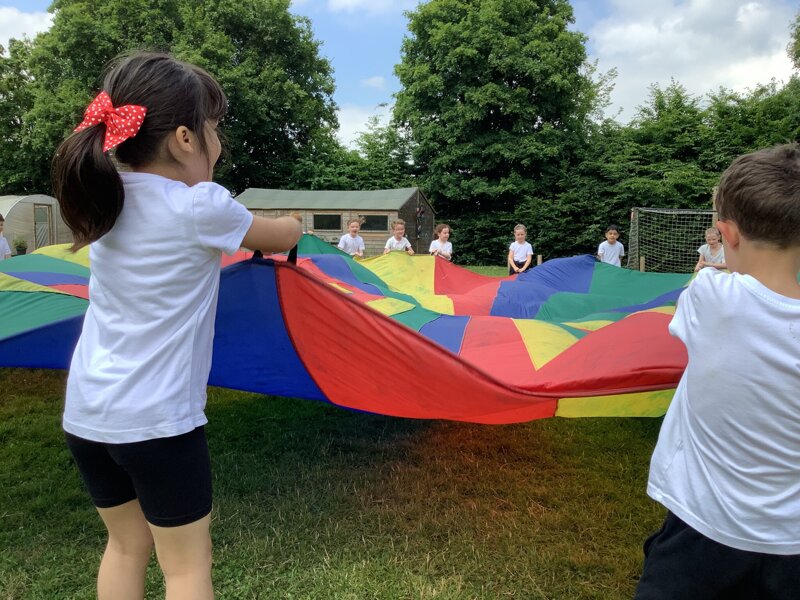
665, 240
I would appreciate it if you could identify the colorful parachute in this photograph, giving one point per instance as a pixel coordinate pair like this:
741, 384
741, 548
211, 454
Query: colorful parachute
406, 336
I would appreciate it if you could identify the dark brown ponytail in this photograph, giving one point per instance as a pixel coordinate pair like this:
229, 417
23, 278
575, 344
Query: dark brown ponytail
85, 179
87, 186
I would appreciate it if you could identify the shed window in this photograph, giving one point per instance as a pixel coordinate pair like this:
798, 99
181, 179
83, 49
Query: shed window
328, 222
375, 223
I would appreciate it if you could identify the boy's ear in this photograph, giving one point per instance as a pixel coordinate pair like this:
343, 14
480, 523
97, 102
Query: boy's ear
730, 233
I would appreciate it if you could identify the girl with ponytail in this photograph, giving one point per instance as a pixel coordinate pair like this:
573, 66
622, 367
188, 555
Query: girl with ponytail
134, 183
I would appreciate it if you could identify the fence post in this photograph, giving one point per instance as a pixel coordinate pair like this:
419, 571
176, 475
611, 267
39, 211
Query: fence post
538, 259
641, 264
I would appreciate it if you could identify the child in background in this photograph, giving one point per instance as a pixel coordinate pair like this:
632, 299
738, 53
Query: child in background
398, 243
5, 249
611, 250
441, 246
136, 391
727, 461
712, 254
520, 252
351, 242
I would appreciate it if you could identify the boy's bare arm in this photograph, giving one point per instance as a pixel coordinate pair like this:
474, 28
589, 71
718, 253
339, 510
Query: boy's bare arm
511, 261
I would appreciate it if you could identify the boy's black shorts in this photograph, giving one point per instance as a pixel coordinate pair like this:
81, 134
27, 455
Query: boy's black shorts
519, 264
682, 564
171, 477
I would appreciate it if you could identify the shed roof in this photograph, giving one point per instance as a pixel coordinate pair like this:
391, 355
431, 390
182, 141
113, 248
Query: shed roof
8, 202
327, 199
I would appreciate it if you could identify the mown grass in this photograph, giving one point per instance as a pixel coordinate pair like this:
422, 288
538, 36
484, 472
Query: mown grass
493, 270
316, 502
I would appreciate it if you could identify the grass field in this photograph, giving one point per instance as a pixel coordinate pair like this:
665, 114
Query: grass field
316, 502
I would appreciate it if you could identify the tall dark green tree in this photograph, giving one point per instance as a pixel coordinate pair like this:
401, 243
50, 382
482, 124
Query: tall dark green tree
381, 160
494, 94
279, 87
656, 161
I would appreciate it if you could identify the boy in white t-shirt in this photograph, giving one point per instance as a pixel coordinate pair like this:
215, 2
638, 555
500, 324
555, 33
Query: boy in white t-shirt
5, 249
727, 461
398, 243
520, 252
612, 249
351, 242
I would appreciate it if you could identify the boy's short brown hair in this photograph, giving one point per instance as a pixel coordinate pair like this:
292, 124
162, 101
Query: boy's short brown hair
760, 192
354, 220
398, 222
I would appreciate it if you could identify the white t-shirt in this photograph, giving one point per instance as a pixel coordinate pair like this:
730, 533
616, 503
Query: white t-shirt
521, 251
5, 249
447, 248
714, 259
141, 365
611, 254
394, 244
727, 460
351, 244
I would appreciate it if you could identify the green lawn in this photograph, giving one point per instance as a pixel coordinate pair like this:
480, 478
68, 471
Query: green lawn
491, 270
317, 502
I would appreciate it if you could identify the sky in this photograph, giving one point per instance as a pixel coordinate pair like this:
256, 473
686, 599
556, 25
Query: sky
701, 44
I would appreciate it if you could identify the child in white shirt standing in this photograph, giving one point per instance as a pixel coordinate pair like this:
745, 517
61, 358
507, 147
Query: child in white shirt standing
611, 250
351, 242
520, 252
727, 461
441, 246
398, 243
136, 392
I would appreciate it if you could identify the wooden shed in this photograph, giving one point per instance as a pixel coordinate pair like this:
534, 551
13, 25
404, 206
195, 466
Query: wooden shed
35, 219
326, 212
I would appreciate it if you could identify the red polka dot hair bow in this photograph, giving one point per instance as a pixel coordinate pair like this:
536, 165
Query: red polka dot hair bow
122, 122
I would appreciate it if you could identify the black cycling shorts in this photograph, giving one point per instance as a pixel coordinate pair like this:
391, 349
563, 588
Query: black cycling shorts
171, 477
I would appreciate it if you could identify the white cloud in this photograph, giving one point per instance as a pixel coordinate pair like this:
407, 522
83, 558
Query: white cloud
15, 24
701, 44
353, 120
376, 82
371, 6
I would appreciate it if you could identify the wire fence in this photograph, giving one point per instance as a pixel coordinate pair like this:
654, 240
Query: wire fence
665, 240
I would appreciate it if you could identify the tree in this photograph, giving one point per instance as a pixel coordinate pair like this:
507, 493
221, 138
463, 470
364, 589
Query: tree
656, 161
794, 43
494, 94
386, 150
15, 101
382, 161
279, 88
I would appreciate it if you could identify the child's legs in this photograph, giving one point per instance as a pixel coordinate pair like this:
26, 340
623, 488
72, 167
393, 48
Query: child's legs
169, 480
184, 554
682, 564
172, 477
130, 544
